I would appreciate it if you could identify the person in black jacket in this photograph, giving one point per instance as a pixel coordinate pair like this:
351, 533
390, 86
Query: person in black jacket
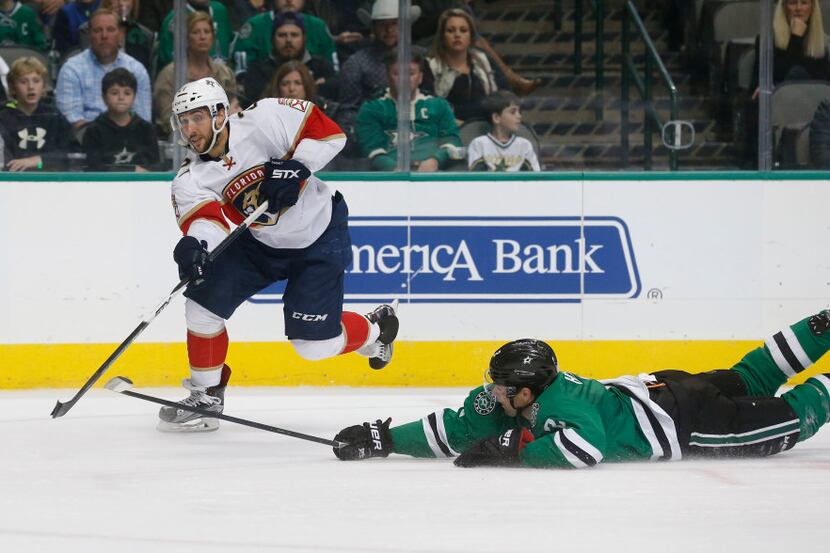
118, 139
35, 134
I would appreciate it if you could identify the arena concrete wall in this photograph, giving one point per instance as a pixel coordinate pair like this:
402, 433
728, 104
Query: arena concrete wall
622, 273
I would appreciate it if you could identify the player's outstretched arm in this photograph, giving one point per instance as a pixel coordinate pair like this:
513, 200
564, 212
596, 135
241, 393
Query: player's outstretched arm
443, 433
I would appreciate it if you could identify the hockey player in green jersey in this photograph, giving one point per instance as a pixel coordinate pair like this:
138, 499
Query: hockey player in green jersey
529, 413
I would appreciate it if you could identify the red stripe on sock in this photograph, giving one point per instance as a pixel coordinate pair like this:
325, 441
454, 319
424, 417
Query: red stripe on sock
356, 327
205, 353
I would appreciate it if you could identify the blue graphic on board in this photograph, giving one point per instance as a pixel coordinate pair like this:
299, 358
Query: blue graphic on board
486, 259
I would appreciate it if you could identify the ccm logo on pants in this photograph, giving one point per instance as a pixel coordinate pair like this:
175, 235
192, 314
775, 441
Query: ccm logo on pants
309, 317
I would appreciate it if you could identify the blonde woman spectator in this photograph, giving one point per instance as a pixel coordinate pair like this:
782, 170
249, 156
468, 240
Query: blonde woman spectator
200, 39
799, 43
457, 71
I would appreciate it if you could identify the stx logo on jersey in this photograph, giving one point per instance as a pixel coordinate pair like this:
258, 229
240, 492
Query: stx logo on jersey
285, 174
488, 259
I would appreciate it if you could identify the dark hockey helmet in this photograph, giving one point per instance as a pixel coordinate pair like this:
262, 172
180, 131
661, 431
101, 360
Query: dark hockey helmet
523, 363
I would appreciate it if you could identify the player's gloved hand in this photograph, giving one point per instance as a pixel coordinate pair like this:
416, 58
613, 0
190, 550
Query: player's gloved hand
364, 441
499, 451
193, 260
281, 186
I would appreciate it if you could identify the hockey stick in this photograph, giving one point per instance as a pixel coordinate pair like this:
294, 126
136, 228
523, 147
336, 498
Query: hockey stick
122, 385
62, 408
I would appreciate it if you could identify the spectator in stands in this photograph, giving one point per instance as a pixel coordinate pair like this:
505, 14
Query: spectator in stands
46, 8
501, 149
119, 140
434, 136
221, 25
457, 71
68, 21
36, 136
243, 10
505, 76
254, 39
288, 41
4, 70
293, 80
19, 25
820, 137
349, 22
78, 91
136, 39
799, 43
365, 74
200, 39
152, 12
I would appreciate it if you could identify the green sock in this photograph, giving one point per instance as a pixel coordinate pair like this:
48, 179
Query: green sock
785, 354
811, 402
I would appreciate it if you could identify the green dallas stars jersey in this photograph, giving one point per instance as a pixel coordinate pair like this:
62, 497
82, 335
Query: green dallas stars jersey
20, 25
579, 422
576, 422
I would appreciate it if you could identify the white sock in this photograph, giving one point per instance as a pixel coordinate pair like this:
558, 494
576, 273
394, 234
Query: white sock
206, 379
370, 348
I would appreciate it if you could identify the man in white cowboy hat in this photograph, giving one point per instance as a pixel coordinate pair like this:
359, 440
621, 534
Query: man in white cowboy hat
364, 75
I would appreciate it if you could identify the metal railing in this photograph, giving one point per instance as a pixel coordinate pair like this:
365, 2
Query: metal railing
599, 44
651, 119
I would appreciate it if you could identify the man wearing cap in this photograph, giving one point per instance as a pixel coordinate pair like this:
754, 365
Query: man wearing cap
288, 43
364, 75
253, 42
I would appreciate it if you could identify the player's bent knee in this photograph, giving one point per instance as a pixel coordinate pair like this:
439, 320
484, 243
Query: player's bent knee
315, 350
200, 320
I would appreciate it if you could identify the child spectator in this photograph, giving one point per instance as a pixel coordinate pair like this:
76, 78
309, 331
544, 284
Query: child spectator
35, 136
434, 134
119, 140
501, 149
19, 25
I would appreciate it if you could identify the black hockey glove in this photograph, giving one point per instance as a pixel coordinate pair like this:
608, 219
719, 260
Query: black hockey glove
364, 441
499, 451
281, 186
193, 260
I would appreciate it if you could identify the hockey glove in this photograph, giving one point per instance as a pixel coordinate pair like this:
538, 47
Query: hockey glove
281, 186
499, 451
193, 260
364, 441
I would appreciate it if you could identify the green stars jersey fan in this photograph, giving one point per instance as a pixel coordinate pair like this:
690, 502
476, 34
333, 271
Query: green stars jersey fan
19, 26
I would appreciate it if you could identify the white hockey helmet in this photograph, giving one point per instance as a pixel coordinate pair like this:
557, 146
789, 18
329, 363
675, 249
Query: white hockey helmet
203, 93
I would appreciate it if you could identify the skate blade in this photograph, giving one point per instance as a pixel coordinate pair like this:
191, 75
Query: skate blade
207, 424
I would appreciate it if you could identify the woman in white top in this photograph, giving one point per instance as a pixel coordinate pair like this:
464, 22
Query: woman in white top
457, 71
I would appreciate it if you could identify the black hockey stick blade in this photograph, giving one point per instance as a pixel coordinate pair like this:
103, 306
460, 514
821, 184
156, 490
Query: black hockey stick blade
122, 385
62, 408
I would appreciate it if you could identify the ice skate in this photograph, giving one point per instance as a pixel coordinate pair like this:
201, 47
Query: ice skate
385, 317
210, 398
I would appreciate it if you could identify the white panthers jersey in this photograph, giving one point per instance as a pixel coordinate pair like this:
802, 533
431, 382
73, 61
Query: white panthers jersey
207, 193
515, 155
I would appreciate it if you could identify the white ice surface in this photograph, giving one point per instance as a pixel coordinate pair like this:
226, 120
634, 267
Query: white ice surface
102, 479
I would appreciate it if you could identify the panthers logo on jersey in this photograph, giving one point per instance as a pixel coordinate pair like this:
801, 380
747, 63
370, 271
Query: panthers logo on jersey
243, 193
484, 403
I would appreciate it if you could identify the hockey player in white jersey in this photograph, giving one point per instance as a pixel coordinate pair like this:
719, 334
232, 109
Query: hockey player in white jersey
267, 152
